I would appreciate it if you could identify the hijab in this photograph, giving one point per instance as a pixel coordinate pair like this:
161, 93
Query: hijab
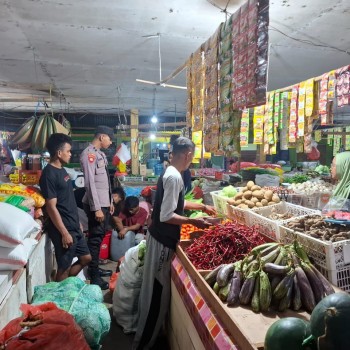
342, 167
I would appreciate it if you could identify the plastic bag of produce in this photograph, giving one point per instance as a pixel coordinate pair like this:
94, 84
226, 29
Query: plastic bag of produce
20, 225
127, 291
338, 209
267, 180
207, 187
42, 327
83, 301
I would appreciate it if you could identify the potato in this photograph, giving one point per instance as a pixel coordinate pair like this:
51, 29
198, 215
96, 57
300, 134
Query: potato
250, 184
275, 198
243, 206
271, 203
264, 202
238, 202
254, 200
250, 204
244, 189
243, 201
231, 201
238, 195
255, 188
258, 194
258, 205
268, 195
247, 195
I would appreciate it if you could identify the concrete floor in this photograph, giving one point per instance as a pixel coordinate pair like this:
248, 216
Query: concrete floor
116, 339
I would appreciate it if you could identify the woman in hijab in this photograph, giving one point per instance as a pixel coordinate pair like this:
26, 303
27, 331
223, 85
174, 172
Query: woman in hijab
340, 170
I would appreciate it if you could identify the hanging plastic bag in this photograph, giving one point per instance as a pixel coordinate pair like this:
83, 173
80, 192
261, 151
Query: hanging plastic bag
123, 153
315, 153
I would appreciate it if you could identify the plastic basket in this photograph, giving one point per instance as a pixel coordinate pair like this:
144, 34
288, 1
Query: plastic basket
331, 259
310, 201
295, 198
270, 227
220, 203
238, 214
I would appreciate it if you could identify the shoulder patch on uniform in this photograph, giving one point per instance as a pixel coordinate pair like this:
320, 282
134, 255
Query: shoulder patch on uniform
91, 157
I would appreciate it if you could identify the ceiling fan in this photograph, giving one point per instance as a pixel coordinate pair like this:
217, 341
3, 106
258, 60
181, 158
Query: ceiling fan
160, 83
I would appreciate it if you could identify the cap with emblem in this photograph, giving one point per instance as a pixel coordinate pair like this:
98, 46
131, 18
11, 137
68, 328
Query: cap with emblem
102, 129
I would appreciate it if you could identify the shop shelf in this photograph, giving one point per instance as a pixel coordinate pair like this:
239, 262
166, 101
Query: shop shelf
271, 228
26, 177
331, 258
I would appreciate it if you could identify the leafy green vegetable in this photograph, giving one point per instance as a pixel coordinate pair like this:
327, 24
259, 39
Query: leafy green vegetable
229, 191
322, 169
296, 179
198, 214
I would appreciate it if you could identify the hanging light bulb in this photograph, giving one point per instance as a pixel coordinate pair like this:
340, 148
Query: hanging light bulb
152, 136
154, 119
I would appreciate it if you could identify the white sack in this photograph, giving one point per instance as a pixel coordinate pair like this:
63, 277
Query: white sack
15, 225
15, 258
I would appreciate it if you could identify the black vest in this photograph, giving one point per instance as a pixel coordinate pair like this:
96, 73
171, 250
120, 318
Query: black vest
167, 234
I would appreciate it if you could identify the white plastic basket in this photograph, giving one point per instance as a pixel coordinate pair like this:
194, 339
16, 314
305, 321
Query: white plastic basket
271, 228
310, 201
331, 259
238, 214
231, 212
220, 203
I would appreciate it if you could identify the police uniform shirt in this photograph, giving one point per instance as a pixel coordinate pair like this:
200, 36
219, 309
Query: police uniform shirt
97, 184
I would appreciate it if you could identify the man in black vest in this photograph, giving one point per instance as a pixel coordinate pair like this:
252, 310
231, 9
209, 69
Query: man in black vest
164, 234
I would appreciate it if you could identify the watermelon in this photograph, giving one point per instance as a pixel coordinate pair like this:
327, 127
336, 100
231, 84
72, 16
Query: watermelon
330, 322
287, 334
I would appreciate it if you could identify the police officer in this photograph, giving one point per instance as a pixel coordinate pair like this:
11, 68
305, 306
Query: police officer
97, 201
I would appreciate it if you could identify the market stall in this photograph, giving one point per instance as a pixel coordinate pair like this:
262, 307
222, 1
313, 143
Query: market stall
281, 193
221, 324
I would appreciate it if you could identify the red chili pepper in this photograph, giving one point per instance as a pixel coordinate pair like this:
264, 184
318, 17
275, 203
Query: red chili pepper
225, 243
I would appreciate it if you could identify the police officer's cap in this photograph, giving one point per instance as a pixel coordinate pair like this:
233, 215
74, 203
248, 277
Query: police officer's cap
102, 129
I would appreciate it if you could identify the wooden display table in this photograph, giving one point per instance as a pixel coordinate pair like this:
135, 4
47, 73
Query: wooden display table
221, 327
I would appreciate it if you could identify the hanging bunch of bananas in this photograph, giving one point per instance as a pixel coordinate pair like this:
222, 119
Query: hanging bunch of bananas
35, 132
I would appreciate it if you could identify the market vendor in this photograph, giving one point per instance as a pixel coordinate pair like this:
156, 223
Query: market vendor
186, 174
340, 170
129, 224
164, 234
